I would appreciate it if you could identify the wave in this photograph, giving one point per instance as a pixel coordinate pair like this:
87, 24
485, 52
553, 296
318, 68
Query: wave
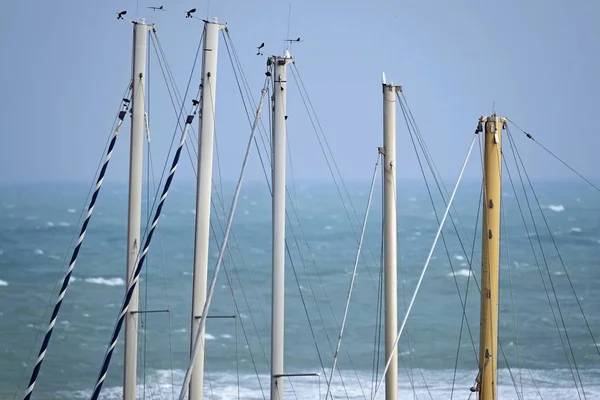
555, 207
461, 272
105, 281
3, 283
435, 384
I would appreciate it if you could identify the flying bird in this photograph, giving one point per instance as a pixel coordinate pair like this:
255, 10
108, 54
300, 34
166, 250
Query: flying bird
120, 14
293, 40
157, 8
189, 13
259, 53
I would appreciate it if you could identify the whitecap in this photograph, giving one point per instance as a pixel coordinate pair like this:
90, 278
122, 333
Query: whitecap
226, 336
38, 251
556, 207
3, 283
71, 210
461, 272
107, 282
50, 223
328, 227
64, 224
575, 230
208, 336
459, 257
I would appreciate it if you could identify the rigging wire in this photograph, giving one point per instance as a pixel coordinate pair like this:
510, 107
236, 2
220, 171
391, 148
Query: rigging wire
236, 307
289, 221
512, 300
378, 315
159, 50
520, 160
554, 243
323, 143
142, 255
151, 174
178, 104
237, 244
215, 208
464, 306
322, 284
356, 260
211, 289
67, 278
291, 229
64, 261
412, 127
538, 264
434, 168
410, 355
436, 175
426, 265
529, 136
242, 82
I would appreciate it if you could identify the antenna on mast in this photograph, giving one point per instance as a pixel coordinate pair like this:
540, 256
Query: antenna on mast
289, 23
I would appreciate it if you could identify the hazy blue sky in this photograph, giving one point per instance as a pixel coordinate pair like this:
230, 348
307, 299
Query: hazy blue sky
65, 64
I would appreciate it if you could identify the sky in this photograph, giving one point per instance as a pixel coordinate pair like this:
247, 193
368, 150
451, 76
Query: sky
65, 65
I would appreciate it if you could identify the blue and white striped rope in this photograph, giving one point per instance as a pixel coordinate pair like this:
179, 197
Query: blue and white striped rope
141, 257
66, 280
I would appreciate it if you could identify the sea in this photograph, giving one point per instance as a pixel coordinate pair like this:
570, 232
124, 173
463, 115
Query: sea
549, 320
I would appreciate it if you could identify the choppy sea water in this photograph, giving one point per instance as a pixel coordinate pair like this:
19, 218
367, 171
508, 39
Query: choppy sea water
38, 223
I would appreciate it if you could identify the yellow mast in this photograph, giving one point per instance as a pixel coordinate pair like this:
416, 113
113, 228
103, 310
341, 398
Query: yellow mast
490, 260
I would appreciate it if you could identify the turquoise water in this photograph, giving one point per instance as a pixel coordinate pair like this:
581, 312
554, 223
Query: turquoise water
37, 223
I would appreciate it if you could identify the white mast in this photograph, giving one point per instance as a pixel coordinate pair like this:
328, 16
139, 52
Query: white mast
140, 35
390, 237
205, 163
278, 179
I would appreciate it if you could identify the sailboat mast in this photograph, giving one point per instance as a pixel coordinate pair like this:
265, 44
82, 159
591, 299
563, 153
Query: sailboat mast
488, 340
203, 195
278, 179
140, 35
390, 237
